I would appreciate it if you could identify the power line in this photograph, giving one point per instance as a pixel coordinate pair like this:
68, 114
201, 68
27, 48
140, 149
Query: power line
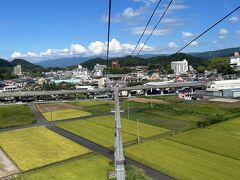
109, 29
108, 42
155, 27
146, 26
208, 29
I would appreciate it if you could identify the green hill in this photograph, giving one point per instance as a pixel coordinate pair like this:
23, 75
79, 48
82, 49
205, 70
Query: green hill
6, 68
5, 63
217, 53
158, 61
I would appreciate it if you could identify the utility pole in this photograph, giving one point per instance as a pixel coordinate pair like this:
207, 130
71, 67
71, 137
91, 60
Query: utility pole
118, 147
138, 136
151, 99
128, 110
108, 44
51, 110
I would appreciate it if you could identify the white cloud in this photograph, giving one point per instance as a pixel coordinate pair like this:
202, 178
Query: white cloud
115, 18
223, 31
177, 5
159, 32
187, 34
94, 48
147, 2
222, 37
238, 32
194, 43
77, 49
233, 19
214, 42
115, 47
172, 45
129, 12
16, 55
172, 21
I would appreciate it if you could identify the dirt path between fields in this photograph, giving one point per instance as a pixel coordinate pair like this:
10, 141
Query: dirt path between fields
148, 100
7, 167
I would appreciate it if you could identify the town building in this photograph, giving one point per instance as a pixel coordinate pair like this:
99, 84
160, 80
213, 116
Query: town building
99, 67
98, 70
224, 88
81, 73
180, 67
235, 61
115, 65
17, 70
224, 84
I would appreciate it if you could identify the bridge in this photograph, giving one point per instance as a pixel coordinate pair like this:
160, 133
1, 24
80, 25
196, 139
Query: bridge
97, 91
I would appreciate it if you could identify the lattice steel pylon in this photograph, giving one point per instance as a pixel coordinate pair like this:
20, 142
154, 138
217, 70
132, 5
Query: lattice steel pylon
118, 146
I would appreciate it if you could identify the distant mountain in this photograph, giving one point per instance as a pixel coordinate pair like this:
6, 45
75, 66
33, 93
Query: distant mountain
6, 68
131, 61
91, 63
145, 56
63, 62
217, 53
5, 63
25, 64
71, 61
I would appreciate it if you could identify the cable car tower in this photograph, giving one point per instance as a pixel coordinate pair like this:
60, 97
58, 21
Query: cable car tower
119, 159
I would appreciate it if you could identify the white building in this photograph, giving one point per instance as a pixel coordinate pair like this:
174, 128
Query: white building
10, 89
99, 67
81, 73
235, 61
101, 83
225, 84
17, 70
180, 67
98, 70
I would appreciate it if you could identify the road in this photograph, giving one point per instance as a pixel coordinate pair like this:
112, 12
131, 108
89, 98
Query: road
64, 92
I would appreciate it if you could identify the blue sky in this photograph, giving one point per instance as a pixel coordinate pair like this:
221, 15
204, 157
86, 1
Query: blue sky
43, 29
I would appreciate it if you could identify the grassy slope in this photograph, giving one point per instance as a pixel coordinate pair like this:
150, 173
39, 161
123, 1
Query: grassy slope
15, 115
184, 162
36, 147
94, 167
65, 114
221, 138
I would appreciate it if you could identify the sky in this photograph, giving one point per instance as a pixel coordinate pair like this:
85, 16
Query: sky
37, 30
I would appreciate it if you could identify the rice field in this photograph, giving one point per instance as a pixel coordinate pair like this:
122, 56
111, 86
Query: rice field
184, 162
101, 130
36, 147
92, 167
65, 114
15, 115
223, 138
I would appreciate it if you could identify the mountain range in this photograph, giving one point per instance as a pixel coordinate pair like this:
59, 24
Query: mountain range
218, 53
89, 62
6, 68
71, 61
63, 62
